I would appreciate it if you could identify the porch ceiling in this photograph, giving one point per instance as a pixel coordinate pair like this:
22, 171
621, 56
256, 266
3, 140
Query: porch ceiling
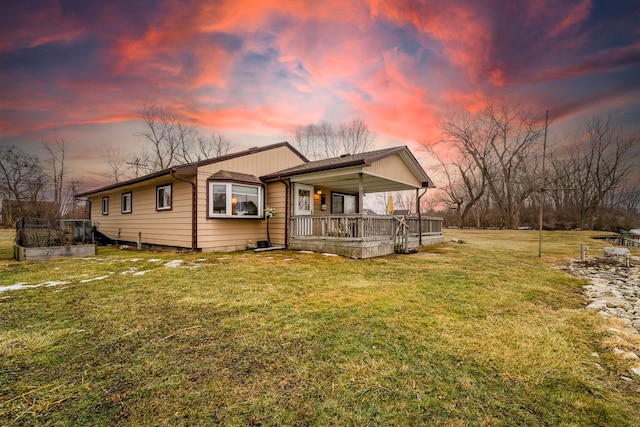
347, 181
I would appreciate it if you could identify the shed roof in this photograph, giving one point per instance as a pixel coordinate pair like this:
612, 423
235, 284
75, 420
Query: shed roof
223, 175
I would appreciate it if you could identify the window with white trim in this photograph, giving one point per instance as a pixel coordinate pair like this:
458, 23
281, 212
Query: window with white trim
126, 206
228, 200
163, 197
105, 206
343, 203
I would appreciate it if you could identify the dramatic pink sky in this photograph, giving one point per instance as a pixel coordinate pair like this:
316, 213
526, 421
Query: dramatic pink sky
254, 70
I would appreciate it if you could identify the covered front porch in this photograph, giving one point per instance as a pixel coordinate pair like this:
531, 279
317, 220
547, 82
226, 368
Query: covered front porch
363, 236
325, 205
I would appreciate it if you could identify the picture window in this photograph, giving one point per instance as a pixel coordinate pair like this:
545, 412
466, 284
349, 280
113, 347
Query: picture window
232, 200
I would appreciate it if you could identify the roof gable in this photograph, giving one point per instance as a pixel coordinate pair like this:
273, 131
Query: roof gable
251, 151
359, 159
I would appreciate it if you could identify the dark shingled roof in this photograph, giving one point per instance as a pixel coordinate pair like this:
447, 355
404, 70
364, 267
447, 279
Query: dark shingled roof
191, 168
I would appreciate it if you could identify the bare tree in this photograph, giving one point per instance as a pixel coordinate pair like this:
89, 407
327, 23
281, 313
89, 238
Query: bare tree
215, 146
116, 161
185, 138
500, 140
597, 165
170, 140
22, 180
629, 196
22, 176
317, 141
355, 137
405, 200
161, 146
322, 140
55, 146
464, 184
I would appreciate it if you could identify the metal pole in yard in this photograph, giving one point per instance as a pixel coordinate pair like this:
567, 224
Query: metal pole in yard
541, 198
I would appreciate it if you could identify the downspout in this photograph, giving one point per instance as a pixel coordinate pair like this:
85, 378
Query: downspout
287, 198
419, 214
194, 210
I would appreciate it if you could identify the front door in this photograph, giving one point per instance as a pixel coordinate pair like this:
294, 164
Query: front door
303, 205
303, 201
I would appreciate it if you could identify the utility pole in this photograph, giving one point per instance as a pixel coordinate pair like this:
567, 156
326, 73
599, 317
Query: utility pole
137, 164
541, 198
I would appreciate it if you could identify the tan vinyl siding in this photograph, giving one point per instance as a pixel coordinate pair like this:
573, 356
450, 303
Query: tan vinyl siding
276, 198
258, 164
394, 168
232, 234
317, 201
228, 234
173, 227
170, 228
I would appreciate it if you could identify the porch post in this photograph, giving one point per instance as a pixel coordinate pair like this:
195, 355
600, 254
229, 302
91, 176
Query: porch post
360, 203
360, 192
419, 217
418, 197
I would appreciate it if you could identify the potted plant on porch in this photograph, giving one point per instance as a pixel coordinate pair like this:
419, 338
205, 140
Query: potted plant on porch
269, 213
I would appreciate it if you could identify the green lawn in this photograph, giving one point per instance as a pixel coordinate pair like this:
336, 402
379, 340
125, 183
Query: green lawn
480, 333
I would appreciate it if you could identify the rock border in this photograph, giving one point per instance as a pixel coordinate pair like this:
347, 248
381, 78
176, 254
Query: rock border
613, 291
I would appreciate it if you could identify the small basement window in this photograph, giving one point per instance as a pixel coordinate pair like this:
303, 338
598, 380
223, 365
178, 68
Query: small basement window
231, 200
163, 197
126, 203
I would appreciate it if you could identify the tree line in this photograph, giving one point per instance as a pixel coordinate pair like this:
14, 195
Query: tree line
323, 140
169, 139
34, 186
491, 175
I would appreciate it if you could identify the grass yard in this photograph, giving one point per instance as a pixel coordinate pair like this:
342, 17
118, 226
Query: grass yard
480, 333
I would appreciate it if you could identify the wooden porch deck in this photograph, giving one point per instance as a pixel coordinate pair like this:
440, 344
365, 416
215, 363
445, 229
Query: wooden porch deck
363, 236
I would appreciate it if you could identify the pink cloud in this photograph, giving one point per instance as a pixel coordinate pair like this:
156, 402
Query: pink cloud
460, 31
576, 14
265, 67
29, 27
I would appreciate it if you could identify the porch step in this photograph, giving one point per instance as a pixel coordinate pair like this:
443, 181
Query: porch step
399, 249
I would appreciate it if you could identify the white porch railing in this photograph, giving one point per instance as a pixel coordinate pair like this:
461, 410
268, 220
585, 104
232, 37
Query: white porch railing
361, 226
